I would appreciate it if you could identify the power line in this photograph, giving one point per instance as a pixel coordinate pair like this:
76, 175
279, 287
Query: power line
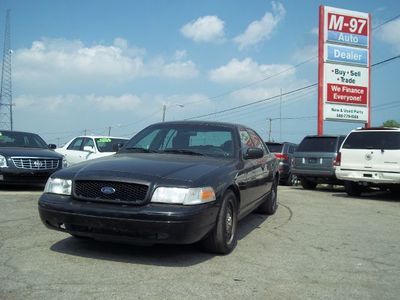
279, 95
255, 102
385, 22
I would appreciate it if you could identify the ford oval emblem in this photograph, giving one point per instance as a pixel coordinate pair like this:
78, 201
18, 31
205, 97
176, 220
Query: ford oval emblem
108, 190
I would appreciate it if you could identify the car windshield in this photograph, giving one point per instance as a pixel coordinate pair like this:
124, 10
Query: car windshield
107, 144
318, 144
21, 139
373, 140
203, 140
276, 148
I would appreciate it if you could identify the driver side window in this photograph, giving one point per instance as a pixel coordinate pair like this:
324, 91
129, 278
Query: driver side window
76, 144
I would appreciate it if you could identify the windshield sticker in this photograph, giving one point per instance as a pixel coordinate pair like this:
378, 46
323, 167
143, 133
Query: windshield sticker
104, 140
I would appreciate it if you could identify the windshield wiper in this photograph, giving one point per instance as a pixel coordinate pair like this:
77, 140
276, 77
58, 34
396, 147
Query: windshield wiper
183, 151
139, 149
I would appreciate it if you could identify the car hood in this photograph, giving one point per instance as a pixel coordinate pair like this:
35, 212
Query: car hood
149, 167
29, 152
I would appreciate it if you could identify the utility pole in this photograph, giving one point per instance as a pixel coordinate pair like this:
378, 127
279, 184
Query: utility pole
280, 118
6, 104
109, 130
270, 129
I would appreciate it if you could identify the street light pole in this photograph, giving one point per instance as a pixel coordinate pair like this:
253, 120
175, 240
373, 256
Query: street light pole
164, 108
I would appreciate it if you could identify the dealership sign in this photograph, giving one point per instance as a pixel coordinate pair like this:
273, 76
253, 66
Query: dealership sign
344, 66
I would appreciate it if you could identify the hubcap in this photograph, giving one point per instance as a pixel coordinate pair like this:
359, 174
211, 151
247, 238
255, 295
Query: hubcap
229, 224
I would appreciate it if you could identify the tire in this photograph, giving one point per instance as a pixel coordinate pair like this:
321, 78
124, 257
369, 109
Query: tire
80, 237
395, 189
289, 180
269, 206
223, 237
352, 188
307, 184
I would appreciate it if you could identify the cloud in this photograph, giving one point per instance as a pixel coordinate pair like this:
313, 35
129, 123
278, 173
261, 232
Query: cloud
247, 70
60, 63
186, 69
204, 29
124, 102
306, 52
390, 34
261, 30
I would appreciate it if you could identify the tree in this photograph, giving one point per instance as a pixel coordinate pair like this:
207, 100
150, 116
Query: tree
391, 123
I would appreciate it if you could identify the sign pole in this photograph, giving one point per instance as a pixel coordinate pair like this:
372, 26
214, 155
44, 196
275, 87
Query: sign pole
368, 124
321, 72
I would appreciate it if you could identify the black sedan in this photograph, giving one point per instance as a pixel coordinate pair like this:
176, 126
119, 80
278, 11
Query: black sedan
175, 182
25, 159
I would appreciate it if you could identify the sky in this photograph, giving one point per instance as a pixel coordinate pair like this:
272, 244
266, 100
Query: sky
96, 66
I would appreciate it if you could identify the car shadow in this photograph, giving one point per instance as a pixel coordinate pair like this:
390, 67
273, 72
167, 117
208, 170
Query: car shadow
159, 255
339, 192
374, 195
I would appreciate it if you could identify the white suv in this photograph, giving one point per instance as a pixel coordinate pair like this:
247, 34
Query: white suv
370, 157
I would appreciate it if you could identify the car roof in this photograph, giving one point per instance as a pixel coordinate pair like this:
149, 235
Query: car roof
205, 123
15, 131
377, 129
280, 143
325, 136
101, 137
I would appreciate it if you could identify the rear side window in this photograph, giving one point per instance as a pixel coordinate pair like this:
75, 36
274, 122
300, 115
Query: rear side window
318, 144
373, 140
275, 147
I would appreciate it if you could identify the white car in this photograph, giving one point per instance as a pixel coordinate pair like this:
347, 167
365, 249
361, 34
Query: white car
83, 148
370, 157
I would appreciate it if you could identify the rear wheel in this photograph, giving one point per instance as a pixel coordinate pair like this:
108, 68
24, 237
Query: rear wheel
289, 180
352, 188
223, 237
307, 184
269, 206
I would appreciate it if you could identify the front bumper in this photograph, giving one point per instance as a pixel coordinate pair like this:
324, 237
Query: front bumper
13, 176
148, 224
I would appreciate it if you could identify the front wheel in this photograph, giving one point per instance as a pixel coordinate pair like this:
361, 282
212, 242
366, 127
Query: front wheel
269, 206
223, 237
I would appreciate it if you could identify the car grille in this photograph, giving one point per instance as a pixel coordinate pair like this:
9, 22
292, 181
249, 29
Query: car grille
35, 163
122, 192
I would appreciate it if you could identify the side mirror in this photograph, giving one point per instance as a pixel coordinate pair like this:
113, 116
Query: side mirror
52, 146
253, 153
88, 149
117, 147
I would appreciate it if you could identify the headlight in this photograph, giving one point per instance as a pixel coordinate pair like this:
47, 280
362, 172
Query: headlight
3, 162
58, 186
64, 162
185, 196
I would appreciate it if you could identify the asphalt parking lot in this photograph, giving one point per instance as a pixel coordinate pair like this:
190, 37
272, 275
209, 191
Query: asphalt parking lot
320, 245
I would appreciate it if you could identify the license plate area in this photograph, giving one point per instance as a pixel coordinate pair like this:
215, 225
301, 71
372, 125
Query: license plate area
312, 160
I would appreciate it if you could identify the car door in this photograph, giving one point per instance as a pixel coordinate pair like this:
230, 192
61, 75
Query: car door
263, 167
86, 155
73, 153
251, 177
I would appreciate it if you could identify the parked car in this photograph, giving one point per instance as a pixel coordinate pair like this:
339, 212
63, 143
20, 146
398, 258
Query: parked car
284, 153
173, 182
370, 158
83, 148
26, 159
314, 160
